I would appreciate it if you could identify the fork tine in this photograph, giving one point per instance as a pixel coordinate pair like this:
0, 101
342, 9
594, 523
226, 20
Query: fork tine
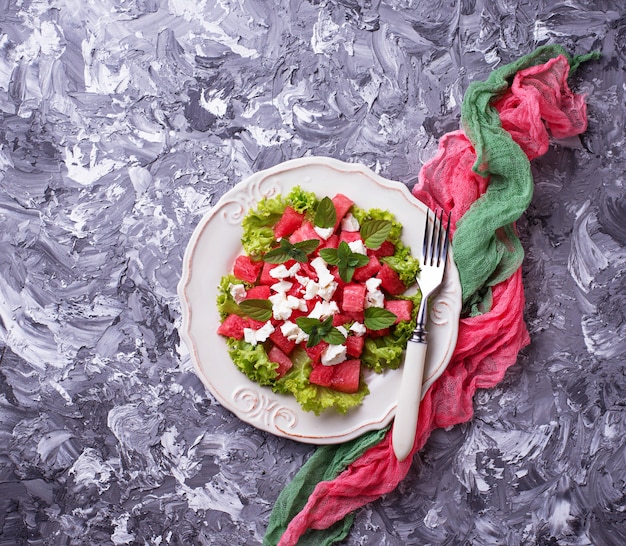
425, 245
439, 249
446, 240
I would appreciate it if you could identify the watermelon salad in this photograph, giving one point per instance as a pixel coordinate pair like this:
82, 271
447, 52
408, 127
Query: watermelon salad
318, 297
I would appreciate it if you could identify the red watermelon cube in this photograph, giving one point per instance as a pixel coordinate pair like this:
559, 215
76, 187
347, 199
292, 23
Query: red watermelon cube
331, 242
254, 324
342, 206
283, 361
401, 308
289, 222
260, 292
306, 270
346, 376
356, 316
391, 282
233, 326
284, 344
296, 289
378, 333
315, 352
349, 236
339, 319
266, 278
321, 375
305, 232
246, 268
386, 249
353, 298
367, 271
354, 346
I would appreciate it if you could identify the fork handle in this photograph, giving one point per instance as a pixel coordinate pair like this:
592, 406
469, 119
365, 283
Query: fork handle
405, 422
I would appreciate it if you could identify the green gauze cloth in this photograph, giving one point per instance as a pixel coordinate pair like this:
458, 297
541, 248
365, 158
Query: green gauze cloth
325, 464
485, 246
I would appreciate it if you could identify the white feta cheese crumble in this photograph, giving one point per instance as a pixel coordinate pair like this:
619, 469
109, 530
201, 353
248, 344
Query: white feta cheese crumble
323, 309
357, 247
297, 303
324, 233
374, 297
333, 355
281, 286
258, 336
342, 330
327, 292
293, 332
373, 283
304, 280
350, 223
311, 288
294, 269
283, 305
358, 329
281, 271
324, 277
238, 292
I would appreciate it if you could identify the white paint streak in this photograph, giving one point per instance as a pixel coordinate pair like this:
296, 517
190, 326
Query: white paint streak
121, 534
213, 102
87, 174
90, 469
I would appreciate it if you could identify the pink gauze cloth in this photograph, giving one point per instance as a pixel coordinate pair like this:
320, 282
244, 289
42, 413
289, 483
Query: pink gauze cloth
537, 104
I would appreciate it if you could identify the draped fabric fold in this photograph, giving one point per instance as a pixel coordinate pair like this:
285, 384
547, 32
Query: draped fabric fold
481, 174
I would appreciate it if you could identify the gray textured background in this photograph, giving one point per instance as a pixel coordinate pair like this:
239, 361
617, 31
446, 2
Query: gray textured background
123, 121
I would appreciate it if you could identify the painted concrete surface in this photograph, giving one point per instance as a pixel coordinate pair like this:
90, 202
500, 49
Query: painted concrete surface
122, 123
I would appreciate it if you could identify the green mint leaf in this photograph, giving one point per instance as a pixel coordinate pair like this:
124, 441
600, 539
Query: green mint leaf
298, 256
375, 232
329, 255
308, 324
346, 273
326, 325
343, 251
314, 339
377, 318
276, 256
345, 260
334, 337
257, 309
325, 215
318, 330
287, 251
307, 246
358, 260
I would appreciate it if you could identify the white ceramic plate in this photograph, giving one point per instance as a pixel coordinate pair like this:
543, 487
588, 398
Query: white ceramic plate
211, 252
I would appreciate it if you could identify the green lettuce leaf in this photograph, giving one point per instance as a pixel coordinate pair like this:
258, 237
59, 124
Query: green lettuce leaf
405, 265
258, 234
253, 361
312, 397
258, 223
226, 305
302, 201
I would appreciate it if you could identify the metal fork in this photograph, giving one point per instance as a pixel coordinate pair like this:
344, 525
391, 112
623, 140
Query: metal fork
432, 268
